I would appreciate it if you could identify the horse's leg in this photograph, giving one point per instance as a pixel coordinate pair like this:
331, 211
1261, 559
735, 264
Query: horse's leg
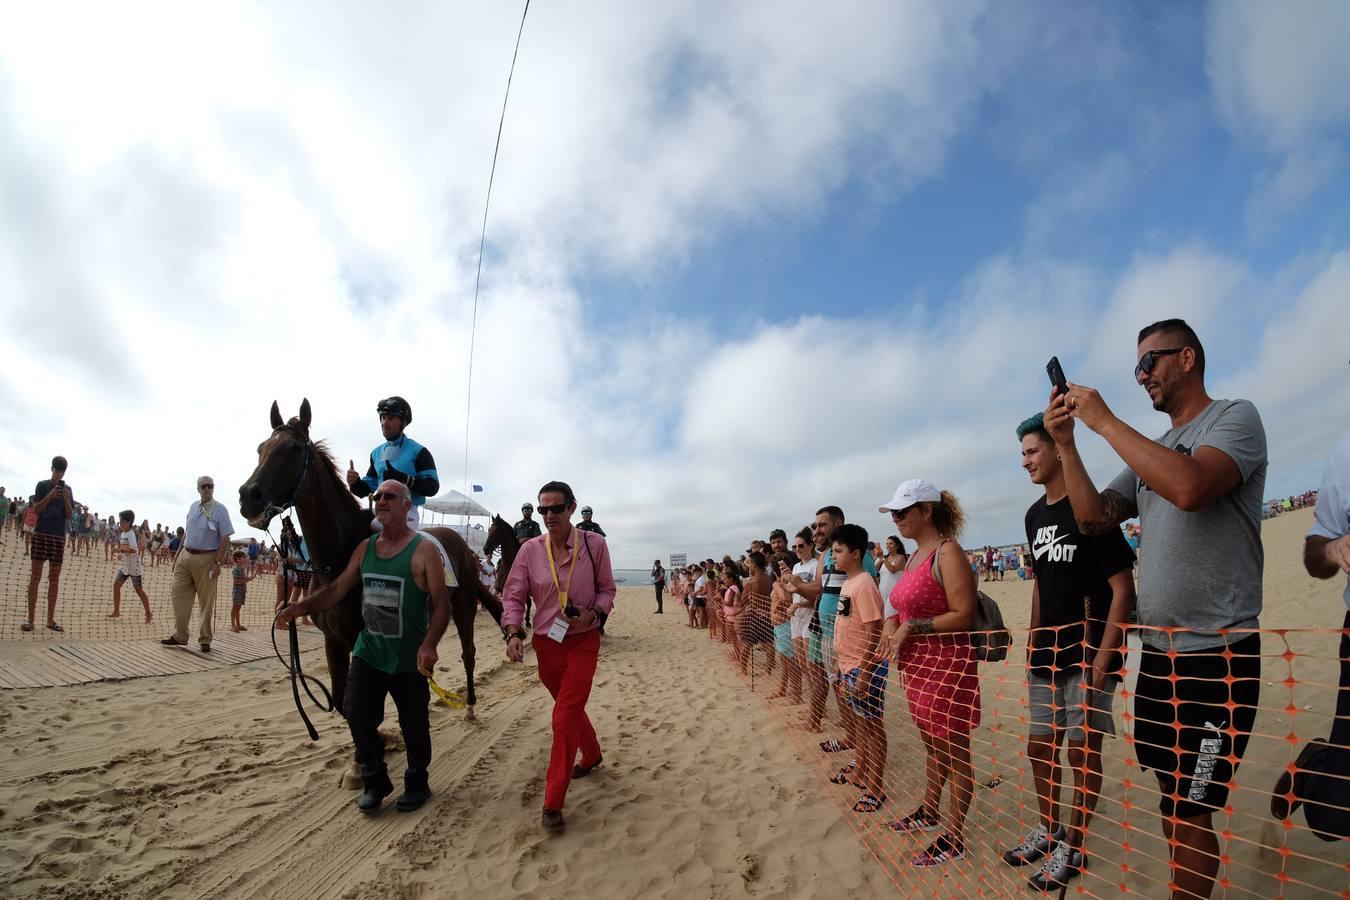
492, 603
339, 661
464, 610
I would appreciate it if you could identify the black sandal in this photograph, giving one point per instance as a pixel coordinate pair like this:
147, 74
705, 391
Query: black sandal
842, 776
833, 746
579, 772
868, 803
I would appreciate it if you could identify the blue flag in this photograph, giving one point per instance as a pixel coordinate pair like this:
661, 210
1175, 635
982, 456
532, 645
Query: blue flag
477, 488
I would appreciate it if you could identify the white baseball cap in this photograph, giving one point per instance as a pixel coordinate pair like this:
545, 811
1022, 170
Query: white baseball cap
916, 490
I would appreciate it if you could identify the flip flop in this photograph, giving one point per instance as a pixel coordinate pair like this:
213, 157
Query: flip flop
832, 746
53, 626
26, 626
842, 776
580, 772
869, 803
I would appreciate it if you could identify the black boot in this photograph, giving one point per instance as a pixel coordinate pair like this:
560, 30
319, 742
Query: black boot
415, 792
377, 788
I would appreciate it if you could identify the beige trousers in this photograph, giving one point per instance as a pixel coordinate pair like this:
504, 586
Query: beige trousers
192, 575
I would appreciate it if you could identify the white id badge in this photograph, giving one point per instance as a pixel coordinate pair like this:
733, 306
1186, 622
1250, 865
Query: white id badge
211, 525
558, 631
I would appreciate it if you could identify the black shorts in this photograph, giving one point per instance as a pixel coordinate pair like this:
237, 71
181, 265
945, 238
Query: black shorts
700, 603
1193, 746
49, 548
302, 579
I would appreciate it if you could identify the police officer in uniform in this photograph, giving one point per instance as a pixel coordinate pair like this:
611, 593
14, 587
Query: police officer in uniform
527, 527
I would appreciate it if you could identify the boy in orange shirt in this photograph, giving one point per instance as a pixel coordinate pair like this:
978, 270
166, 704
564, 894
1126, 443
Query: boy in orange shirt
863, 666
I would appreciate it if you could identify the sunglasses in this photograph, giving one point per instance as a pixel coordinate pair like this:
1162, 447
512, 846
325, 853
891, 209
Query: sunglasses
206, 487
898, 514
555, 509
385, 495
799, 546
1150, 359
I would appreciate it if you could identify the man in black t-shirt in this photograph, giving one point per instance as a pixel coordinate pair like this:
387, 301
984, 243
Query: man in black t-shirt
1084, 583
54, 505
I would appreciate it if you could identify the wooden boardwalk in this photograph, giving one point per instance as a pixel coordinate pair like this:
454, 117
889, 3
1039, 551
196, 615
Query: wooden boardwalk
28, 664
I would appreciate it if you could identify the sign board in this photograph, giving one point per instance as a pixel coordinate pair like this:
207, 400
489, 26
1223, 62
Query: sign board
678, 560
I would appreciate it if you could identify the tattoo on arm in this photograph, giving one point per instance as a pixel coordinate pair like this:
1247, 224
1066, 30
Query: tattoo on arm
920, 626
1115, 509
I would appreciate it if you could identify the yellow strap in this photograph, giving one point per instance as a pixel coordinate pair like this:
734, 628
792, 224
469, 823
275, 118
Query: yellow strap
553, 569
449, 698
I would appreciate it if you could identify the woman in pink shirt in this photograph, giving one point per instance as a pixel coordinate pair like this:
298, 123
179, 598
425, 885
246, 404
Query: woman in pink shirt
933, 606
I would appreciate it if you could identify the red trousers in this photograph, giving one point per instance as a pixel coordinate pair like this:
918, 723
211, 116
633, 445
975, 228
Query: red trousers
567, 670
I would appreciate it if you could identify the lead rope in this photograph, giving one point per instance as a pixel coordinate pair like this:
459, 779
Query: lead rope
298, 677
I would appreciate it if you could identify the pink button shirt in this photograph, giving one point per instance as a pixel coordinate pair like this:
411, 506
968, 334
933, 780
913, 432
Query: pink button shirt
592, 586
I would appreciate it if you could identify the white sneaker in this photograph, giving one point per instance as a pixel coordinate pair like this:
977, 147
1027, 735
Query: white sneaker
1063, 864
1036, 844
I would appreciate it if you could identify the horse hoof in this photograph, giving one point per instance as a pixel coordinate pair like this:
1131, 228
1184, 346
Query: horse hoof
469, 714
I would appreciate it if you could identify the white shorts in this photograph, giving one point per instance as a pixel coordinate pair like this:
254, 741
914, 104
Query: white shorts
801, 623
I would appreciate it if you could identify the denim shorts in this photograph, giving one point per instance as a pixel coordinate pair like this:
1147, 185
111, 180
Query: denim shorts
874, 703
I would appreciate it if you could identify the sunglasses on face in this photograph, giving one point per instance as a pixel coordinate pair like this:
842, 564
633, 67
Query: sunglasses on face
555, 509
1150, 359
898, 514
206, 487
798, 546
385, 495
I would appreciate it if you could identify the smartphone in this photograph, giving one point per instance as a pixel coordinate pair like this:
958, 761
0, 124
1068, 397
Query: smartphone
1056, 373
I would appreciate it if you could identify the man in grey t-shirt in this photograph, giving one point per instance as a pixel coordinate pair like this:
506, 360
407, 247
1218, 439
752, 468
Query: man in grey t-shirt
1197, 491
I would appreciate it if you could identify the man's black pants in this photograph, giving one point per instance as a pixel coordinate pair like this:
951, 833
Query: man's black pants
366, 690
660, 588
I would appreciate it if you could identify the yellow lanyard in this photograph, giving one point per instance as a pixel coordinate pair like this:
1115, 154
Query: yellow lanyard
553, 569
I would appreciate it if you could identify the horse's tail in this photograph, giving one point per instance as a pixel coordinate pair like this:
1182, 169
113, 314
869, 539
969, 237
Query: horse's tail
490, 601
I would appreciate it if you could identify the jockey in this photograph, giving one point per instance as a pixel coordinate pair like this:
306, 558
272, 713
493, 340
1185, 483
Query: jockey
399, 458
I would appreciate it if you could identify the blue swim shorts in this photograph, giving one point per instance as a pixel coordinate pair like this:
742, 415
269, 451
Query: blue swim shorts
874, 703
782, 639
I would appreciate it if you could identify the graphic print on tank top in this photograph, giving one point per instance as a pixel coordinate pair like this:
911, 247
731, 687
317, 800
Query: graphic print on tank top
382, 604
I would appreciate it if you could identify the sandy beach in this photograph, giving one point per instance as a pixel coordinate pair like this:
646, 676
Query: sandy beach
205, 784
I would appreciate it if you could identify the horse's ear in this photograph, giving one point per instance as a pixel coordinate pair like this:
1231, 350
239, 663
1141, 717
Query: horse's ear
304, 412
277, 421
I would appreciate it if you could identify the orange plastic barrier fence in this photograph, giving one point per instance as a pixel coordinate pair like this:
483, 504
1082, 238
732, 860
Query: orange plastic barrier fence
1125, 840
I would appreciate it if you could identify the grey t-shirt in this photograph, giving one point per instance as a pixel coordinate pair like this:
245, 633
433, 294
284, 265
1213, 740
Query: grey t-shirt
1202, 570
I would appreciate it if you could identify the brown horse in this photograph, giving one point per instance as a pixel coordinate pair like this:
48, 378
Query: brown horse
293, 470
502, 536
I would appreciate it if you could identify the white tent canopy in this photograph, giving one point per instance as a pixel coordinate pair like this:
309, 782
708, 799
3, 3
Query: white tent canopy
453, 503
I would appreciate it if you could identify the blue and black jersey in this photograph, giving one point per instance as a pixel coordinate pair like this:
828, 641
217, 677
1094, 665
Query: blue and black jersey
410, 462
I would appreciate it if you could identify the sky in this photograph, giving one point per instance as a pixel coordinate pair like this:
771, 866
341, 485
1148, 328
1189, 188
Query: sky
742, 260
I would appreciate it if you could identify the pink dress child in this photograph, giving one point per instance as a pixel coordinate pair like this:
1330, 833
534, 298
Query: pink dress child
729, 606
940, 671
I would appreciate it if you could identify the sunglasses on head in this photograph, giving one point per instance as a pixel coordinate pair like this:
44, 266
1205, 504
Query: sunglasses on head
1150, 359
555, 509
385, 495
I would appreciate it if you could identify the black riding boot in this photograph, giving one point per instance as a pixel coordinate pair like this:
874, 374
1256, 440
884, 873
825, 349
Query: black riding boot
377, 788
415, 792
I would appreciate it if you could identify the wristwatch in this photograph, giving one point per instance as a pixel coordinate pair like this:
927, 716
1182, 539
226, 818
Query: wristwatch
517, 632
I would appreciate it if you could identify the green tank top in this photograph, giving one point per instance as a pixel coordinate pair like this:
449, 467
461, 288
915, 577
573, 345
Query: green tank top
394, 609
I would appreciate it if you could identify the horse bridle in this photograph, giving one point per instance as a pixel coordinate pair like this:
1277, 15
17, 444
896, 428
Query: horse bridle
273, 510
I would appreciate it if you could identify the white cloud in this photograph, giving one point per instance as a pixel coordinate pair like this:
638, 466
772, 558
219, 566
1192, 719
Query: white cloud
208, 211
1278, 72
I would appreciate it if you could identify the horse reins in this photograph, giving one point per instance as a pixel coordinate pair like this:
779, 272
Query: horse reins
298, 677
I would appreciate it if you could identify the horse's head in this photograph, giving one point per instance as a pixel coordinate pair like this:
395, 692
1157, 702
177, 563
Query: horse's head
496, 535
283, 462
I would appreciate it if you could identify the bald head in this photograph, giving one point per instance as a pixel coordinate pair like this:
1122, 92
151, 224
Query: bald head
397, 488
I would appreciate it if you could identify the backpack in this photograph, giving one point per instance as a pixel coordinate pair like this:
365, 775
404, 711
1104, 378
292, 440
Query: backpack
989, 636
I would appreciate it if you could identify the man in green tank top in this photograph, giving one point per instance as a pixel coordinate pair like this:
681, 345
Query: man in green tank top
406, 606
